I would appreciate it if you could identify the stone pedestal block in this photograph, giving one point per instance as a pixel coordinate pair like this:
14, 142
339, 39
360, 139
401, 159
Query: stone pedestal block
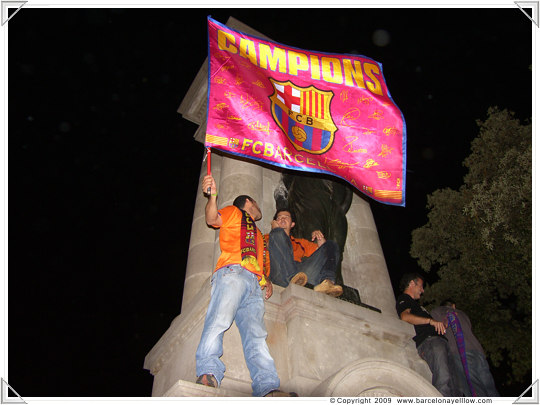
322, 346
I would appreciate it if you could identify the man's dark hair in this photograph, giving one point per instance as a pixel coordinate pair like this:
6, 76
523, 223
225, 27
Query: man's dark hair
240, 201
293, 217
407, 278
448, 302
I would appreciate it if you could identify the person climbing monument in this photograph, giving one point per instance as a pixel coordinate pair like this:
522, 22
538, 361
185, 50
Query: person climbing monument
238, 282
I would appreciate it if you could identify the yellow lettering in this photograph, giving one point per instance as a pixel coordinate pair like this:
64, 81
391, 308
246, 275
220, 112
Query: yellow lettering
268, 149
297, 61
287, 154
315, 67
310, 161
296, 158
246, 143
278, 153
247, 50
355, 73
331, 70
375, 87
277, 58
222, 42
255, 145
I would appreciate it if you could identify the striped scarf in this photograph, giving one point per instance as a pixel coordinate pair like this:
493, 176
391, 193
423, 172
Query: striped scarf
454, 323
248, 245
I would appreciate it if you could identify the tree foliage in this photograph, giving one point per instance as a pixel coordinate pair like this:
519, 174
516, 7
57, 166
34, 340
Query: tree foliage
479, 241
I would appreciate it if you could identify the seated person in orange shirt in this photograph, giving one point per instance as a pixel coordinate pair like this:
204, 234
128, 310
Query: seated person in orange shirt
299, 261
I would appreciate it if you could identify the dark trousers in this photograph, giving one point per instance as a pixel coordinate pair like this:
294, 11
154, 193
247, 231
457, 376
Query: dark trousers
434, 350
321, 265
479, 372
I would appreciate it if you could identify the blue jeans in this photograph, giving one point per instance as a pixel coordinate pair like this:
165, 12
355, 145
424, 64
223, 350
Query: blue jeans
237, 296
479, 372
321, 265
434, 350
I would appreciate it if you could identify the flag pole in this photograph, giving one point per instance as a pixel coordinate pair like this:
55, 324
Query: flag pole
208, 167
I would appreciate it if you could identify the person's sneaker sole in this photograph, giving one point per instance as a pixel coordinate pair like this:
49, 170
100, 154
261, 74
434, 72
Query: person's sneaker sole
208, 380
278, 393
335, 292
299, 278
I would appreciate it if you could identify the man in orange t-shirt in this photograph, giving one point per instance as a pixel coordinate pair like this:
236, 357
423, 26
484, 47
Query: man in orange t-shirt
299, 261
236, 295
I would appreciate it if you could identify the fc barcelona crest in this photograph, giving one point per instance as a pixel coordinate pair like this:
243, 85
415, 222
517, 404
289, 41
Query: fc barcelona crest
303, 114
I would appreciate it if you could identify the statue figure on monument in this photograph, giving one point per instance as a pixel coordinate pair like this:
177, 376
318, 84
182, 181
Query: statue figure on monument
319, 203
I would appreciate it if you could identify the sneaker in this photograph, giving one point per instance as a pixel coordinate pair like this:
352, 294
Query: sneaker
299, 278
207, 379
278, 393
330, 288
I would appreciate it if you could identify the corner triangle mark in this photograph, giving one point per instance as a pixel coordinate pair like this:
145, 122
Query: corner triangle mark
529, 400
12, 4
6, 399
529, 4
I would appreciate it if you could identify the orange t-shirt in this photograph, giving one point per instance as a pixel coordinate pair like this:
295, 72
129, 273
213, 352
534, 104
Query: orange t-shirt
301, 248
229, 240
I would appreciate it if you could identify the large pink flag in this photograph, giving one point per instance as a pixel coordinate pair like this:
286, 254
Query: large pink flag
305, 110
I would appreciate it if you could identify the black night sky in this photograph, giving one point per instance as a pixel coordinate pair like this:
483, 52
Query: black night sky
103, 171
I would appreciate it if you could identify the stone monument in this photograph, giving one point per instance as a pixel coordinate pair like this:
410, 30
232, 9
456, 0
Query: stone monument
322, 346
